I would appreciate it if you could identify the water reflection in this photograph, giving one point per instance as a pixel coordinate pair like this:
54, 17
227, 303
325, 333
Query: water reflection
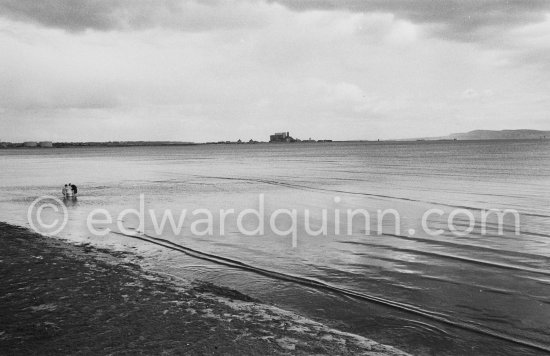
70, 201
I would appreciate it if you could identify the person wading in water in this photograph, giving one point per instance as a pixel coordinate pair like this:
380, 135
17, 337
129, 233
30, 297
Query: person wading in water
73, 188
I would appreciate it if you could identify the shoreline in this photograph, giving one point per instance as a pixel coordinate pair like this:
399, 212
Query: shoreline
125, 144
61, 298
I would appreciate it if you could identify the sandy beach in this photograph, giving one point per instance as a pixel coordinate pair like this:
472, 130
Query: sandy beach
61, 298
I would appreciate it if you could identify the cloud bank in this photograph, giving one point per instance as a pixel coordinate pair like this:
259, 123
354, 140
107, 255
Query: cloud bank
108, 15
455, 19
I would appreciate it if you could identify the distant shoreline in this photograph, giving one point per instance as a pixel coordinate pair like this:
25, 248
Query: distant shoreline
40, 145
19, 145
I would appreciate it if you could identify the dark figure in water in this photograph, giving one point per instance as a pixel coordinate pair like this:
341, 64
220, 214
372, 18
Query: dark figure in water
69, 194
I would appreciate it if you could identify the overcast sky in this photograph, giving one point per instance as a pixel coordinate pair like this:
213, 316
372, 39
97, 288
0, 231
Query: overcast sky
81, 70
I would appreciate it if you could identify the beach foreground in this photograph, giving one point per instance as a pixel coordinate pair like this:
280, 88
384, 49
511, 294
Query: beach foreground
60, 298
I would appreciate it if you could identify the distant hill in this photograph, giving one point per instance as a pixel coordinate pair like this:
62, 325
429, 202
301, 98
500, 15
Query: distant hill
501, 135
494, 135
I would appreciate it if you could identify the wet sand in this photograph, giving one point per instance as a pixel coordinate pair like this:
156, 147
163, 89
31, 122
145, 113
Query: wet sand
61, 298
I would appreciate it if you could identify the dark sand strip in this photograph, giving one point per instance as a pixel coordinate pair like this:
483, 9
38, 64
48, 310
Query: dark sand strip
59, 298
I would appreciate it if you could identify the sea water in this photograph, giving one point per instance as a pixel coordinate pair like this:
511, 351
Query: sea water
470, 288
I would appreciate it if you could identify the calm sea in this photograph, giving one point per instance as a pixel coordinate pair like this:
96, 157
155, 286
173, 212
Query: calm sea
472, 290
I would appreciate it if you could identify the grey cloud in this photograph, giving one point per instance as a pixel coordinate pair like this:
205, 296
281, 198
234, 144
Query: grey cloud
73, 15
457, 19
104, 15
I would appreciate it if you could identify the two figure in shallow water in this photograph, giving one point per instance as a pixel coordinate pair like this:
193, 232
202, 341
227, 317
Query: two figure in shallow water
69, 191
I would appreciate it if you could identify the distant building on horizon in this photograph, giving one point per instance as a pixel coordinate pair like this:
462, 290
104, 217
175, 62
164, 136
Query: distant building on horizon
281, 137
